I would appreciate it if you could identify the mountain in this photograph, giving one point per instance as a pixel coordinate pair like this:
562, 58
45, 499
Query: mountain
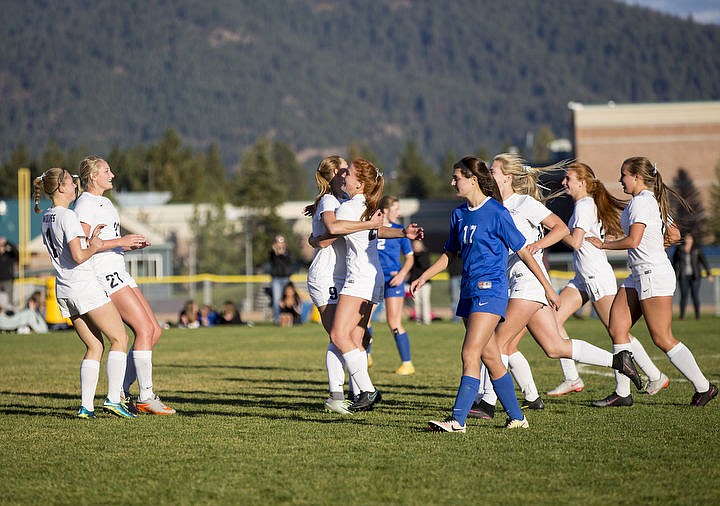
452, 76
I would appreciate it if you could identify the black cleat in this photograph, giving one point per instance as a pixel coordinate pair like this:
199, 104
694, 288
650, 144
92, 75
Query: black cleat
366, 401
536, 404
623, 362
699, 399
483, 410
613, 400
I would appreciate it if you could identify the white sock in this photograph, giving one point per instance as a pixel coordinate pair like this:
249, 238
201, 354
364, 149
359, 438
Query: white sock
357, 368
130, 374
622, 382
643, 360
569, 369
520, 369
115, 366
587, 353
489, 394
143, 366
89, 375
484, 380
335, 366
682, 358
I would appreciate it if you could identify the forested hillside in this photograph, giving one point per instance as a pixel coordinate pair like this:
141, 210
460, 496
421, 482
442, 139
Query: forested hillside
451, 76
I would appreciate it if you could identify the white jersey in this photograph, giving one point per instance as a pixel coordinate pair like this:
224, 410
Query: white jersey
98, 210
643, 208
527, 214
364, 277
326, 274
61, 225
588, 261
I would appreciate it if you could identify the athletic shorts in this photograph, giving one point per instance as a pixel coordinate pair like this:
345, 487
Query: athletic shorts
370, 289
596, 287
325, 291
85, 298
527, 287
394, 291
480, 304
115, 280
651, 281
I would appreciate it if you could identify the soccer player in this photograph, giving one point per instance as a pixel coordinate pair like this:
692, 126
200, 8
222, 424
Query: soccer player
93, 209
481, 232
79, 294
596, 214
649, 288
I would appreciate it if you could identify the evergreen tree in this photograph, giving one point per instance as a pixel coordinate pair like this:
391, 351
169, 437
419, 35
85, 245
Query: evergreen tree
696, 220
20, 158
218, 242
541, 145
714, 218
415, 177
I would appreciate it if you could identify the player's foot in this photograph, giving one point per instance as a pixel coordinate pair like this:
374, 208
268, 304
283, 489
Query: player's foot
483, 410
623, 362
338, 406
405, 369
517, 424
699, 399
536, 404
567, 387
447, 425
154, 406
613, 400
366, 401
127, 401
118, 409
85, 413
654, 387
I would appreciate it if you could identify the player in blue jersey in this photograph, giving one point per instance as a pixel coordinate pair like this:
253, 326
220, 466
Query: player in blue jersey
481, 233
395, 273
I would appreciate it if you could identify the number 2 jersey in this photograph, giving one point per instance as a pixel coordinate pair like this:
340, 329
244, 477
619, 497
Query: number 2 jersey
98, 210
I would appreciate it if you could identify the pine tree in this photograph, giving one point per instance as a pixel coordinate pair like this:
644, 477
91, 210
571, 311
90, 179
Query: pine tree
695, 220
714, 218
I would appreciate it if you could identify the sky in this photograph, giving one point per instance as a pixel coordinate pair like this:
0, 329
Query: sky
703, 11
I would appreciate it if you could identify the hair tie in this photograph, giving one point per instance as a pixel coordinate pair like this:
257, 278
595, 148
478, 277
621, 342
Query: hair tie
526, 169
378, 174
42, 176
654, 169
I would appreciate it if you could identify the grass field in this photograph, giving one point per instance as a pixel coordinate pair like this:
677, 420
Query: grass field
250, 428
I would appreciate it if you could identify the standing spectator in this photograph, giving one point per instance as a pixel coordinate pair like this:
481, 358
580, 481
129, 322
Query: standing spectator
689, 262
421, 262
281, 266
455, 271
8, 256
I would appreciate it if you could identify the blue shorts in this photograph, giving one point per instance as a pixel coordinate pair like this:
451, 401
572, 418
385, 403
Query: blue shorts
493, 305
394, 291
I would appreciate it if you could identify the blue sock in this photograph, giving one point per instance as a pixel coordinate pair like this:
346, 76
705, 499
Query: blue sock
402, 341
505, 391
466, 395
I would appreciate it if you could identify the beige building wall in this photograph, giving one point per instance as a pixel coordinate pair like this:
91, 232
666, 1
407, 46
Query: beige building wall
673, 135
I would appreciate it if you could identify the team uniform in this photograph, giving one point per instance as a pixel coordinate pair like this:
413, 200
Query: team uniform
593, 273
109, 265
364, 275
326, 274
651, 272
482, 236
389, 253
76, 286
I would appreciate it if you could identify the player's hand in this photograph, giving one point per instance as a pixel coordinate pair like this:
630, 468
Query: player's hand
413, 232
553, 298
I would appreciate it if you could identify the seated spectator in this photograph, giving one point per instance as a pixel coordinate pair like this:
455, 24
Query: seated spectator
189, 317
290, 306
208, 316
229, 314
27, 320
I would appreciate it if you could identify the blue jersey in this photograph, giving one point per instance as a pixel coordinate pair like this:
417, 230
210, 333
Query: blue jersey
389, 251
481, 236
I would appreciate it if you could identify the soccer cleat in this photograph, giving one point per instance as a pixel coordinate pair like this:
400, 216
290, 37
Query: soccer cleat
447, 425
483, 410
338, 406
536, 404
517, 424
623, 362
154, 406
613, 400
118, 409
699, 399
127, 401
654, 387
85, 413
366, 401
405, 369
568, 386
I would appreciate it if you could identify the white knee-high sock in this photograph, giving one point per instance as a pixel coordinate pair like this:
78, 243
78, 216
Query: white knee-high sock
143, 366
682, 358
484, 380
587, 353
569, 369
89, 375
357, 368
520, 369
115, 366
130, 373
335, 366
643, 360
622, 382
489, 394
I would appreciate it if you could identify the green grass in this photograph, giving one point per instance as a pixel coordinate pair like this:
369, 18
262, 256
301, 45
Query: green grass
250, 428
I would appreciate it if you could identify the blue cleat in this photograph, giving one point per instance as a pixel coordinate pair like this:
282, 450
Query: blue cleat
85, 414
117, 408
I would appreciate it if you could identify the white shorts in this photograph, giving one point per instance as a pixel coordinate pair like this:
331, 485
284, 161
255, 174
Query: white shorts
651, 281
114, 280
596, 287
527, 287
324, 292
370, 289
85, 298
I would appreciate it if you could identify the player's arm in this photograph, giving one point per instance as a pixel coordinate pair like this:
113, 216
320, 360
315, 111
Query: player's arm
127, 242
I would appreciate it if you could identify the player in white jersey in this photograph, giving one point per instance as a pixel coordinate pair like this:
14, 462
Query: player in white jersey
596, 214
93, 209
518, 184
649, 289
80, 297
